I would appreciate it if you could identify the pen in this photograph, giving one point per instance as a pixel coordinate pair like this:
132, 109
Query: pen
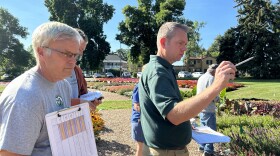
240, 63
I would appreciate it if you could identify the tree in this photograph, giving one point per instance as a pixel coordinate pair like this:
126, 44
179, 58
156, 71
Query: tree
257, 34
228, 47
90, 16
257, 27
13, 57
214, 49
141, 24
194, 48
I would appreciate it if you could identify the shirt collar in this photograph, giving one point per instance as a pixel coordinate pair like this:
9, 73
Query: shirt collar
162, 61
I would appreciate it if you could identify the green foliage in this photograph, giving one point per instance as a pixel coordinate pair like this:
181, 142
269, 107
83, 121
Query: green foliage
257, 34
141, 36
14, 59
228, 121
214, 49
96, 85
194, 47
222, 102
123, 91
90, 16
188, 93
251, 134
2, 88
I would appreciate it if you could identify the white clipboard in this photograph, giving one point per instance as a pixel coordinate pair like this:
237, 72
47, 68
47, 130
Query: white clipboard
70, 132
204, 135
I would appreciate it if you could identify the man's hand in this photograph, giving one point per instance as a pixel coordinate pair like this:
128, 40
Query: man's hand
136, 107
224, 72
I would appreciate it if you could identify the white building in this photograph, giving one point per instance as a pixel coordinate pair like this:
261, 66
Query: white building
113, 61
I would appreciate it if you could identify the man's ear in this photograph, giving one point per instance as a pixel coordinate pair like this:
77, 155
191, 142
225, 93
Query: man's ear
163, 42
40, 51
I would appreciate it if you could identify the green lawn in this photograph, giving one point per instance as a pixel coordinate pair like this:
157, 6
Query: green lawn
1, 88
261, 89
106, 105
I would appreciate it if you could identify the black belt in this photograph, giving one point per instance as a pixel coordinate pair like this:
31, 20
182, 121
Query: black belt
177, 148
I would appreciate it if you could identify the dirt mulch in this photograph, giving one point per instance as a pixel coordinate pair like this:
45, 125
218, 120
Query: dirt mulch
116, 140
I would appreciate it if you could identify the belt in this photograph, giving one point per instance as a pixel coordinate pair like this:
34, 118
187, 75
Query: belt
177, 148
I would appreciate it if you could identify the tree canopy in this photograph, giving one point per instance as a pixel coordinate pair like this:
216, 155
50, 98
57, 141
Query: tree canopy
141, 24
89, 16
14, 59
258, 35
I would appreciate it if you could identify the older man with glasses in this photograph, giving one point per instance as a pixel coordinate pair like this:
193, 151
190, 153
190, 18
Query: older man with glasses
40, 90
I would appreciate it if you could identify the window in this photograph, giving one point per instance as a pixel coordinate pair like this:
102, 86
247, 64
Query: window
209, 62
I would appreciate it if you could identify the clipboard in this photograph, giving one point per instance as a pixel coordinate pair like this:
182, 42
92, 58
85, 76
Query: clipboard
70, 132
205, 135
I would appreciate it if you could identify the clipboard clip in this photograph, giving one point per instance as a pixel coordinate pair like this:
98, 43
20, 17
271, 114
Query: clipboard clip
60, 113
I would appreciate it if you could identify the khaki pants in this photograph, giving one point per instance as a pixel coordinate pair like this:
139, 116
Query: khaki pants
149, 151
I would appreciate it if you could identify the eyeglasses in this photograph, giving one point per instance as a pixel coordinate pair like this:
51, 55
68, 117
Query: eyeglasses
69, 55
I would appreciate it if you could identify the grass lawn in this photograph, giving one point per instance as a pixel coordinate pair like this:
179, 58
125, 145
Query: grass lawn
109, 105
1, 88
261, 89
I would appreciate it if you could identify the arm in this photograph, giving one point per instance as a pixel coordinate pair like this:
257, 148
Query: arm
92, 104
136, 107
82, 84
188, 108
135, 98
7, 153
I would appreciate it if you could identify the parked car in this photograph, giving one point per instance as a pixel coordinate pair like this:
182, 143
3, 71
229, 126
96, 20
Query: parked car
126, 74
139, 74
109, 74
184, 74
197, 74
87, 75
96, 75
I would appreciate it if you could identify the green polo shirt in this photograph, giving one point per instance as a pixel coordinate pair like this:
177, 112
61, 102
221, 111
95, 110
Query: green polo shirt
159, 94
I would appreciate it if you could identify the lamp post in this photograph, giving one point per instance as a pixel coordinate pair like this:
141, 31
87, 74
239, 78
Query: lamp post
119, 53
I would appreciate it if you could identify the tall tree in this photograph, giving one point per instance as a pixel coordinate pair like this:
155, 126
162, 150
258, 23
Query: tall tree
194, 48
90, 16
141, 24
257, 34
214, 49
257, 19
13, 57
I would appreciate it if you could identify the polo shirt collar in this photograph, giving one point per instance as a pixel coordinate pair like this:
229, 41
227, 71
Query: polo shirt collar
162, 61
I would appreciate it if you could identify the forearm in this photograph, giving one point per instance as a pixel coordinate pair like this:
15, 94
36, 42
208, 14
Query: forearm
7, 153
189, 108
75, 101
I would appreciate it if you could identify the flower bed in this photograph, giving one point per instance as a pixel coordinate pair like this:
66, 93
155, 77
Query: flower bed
127, 80
97, 122
116, 89
181, 83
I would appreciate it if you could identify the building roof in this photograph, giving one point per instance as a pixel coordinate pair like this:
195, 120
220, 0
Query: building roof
113, 58
200, 57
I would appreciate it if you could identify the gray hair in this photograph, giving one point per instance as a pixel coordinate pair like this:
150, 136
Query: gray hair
52, 31
212, 68
168, 30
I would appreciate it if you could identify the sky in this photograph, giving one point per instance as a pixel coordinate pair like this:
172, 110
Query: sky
219, 16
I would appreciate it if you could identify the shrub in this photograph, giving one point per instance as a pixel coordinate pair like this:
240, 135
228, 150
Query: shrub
253, 135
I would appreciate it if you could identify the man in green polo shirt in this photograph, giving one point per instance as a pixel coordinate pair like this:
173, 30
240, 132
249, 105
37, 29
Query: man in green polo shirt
164, 114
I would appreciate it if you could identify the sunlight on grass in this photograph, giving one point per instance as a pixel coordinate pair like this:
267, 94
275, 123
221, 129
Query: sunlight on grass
261, 89
109, 105
2, 88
